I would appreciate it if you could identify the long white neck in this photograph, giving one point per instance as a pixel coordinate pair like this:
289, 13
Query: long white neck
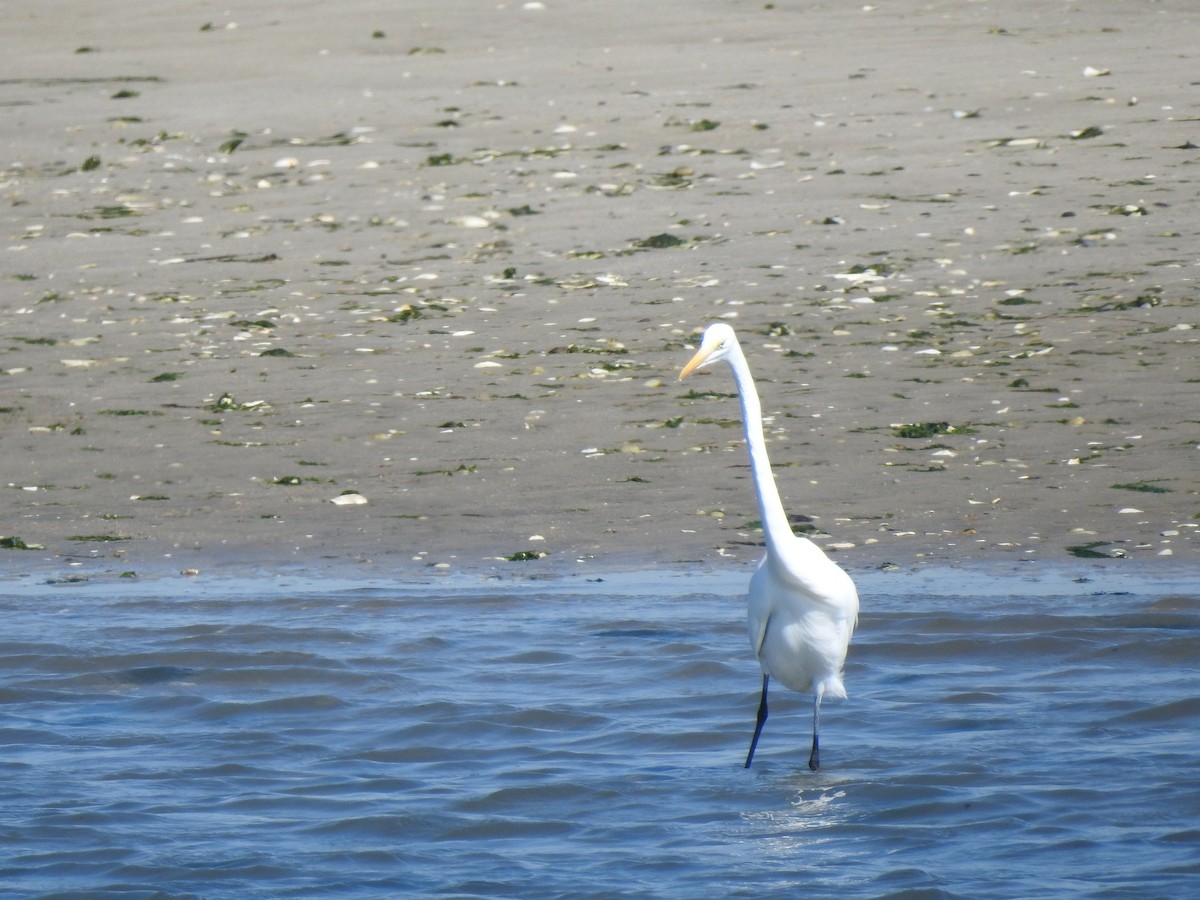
774, 520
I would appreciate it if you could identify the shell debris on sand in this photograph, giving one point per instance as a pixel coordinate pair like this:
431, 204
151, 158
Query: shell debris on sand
541, 236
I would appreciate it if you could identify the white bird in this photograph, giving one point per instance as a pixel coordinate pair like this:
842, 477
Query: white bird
802, 606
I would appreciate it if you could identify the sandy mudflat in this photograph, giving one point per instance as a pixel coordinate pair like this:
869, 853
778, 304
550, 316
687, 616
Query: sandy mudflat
452, 255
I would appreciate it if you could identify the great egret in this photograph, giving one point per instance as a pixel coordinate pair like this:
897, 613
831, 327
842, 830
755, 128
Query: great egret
802, 606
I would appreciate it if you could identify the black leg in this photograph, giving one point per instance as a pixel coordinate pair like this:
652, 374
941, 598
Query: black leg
759, 722
814, 758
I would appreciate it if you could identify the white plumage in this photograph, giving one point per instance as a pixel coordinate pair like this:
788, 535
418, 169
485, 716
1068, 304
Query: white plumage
802, 606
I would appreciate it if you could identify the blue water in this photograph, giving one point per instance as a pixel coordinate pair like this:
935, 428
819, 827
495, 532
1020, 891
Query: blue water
1020, 733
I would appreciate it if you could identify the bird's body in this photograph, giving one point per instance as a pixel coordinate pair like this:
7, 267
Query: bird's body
800, 632
803, 607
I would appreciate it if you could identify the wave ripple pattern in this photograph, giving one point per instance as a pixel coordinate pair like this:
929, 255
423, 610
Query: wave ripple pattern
1007, 734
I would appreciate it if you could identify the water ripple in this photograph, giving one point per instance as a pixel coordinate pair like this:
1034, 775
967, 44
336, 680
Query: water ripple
585, 739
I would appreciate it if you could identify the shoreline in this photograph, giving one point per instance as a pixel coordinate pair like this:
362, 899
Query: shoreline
251, 266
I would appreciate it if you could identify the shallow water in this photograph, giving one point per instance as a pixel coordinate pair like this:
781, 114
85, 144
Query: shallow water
1008, 734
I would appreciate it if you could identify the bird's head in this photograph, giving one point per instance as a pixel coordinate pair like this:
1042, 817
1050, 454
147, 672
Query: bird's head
718, 342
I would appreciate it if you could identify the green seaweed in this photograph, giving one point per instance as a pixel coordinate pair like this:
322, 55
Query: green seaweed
115, 212
405, 313
1142, 486
923, 430
1088, 551
659, 242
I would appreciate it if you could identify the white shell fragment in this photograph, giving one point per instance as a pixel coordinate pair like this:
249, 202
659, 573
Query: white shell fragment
349, 500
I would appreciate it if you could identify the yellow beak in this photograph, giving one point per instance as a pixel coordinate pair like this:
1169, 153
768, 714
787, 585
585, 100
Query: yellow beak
695, 362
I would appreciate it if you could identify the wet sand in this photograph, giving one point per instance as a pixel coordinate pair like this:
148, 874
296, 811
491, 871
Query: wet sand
452, 257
